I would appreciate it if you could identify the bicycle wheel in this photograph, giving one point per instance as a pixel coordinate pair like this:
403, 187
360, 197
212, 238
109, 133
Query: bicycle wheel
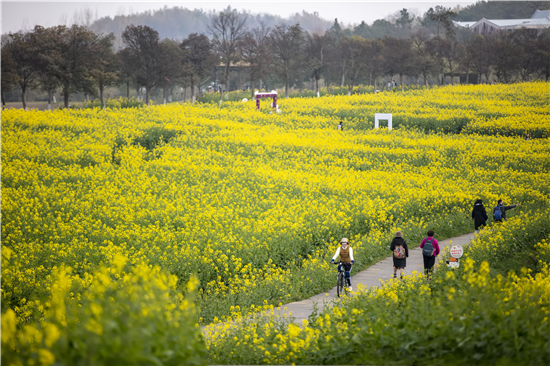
340, 284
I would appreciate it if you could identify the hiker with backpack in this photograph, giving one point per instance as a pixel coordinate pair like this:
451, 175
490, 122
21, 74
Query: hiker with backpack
400, 253
499, 212
479, 215
430, 250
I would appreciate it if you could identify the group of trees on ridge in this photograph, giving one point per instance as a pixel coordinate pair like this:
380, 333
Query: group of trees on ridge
76, 59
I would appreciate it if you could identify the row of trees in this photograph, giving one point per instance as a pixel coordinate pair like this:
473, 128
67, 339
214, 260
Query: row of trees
75, 59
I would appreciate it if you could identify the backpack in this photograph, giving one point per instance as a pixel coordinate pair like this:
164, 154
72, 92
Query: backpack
399, 252
428, 249
497, 213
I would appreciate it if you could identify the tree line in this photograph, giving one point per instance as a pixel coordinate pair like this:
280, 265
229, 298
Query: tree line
76, 59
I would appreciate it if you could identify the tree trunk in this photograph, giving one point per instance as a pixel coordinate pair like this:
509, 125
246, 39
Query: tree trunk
252, 89
260, 87
101, 97
164, 95
192, 90
239, 86
50, 100
286, 80
226, 78
3, 100
286, 86
401, 81
317, 87
66, 96
147, 95
24, 97
467, 75
452, 75
128, 90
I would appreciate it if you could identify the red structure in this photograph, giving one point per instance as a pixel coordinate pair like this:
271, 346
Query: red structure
272, 94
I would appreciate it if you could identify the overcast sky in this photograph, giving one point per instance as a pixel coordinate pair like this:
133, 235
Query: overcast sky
23, 14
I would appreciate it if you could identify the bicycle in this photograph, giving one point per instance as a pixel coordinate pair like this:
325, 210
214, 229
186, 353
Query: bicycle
341, 283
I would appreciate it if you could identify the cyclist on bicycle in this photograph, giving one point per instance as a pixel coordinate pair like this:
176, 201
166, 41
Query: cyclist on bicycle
346, 259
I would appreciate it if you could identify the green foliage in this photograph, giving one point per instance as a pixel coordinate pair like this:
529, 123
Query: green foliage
133, 318
500, 10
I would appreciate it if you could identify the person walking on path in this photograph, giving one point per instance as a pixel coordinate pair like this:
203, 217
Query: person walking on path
499, 212
430, 250
400, 253
479, 215
346, 258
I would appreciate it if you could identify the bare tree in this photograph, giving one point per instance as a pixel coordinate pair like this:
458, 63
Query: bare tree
481, 56
375, 59
144, 44
450, 49
421, 55
9, 75
315, 50
127, 68
287, 45
357, 58
198, 59
228, 28
255, 51
105, 71
398, 57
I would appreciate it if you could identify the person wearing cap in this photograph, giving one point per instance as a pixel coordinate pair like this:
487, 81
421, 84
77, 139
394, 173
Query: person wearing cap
346, 259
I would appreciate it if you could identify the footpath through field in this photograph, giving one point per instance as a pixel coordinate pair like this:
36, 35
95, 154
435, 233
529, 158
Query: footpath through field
369, 277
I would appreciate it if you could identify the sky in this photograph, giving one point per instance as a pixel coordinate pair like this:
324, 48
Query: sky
25, 14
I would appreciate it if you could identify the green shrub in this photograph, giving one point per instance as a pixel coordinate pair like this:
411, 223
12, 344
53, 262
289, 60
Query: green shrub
121, 318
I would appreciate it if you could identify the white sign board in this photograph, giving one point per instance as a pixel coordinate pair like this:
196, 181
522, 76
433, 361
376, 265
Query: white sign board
454, 264
382, 116
456, 251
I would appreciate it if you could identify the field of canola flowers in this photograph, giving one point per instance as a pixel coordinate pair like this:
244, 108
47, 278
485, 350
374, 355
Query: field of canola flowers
476, 315
240, 208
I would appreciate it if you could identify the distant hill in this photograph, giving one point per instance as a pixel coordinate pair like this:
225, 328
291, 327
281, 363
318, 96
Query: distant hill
178, 22
501, 10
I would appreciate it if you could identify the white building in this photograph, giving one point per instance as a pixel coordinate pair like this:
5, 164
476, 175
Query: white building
540, 20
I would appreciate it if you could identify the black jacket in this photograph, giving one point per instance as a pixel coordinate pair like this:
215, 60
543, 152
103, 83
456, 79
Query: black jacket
399, 241
479, 214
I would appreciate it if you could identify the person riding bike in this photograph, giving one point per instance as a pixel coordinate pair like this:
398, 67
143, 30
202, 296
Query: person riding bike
346, 259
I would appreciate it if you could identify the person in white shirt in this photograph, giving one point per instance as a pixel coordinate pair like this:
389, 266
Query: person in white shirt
346, 259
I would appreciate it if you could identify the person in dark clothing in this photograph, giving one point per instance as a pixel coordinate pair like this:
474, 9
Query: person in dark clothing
400, 253
500, 206
479, 215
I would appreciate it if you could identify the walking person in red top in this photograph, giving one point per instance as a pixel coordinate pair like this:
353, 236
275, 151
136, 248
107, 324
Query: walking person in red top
430, 250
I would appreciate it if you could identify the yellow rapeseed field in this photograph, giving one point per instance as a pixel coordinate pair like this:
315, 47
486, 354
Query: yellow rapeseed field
249, 202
